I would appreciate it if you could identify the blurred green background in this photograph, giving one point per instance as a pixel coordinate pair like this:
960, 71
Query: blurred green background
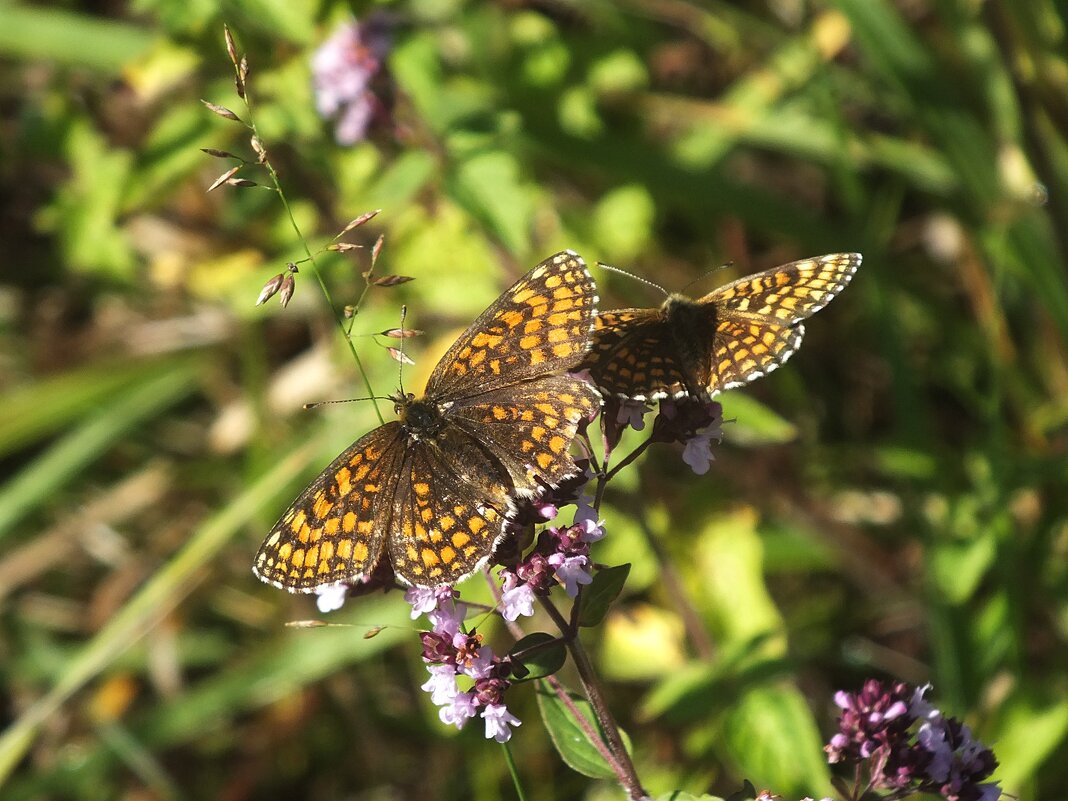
893, 503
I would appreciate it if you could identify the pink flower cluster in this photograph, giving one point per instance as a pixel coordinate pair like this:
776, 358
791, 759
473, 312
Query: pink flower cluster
342, 71
451, 654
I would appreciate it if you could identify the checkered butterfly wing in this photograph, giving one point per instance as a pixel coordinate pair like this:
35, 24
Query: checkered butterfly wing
540, 325
634, 356
757, 319
334, 530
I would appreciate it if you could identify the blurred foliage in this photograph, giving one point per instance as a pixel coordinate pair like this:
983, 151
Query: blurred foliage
892, 503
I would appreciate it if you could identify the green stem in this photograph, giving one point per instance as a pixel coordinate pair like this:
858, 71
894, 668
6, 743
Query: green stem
508, 758
338, 318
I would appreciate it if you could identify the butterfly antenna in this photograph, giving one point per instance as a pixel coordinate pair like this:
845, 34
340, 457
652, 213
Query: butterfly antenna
707, 273
612, 269
317, 404
400, 361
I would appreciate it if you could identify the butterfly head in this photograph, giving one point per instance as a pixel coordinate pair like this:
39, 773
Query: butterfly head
422, 419
679, 309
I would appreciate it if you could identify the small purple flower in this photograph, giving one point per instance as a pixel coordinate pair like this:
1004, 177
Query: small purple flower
422, 599
695, 423
632, 413
442, 684
461, 708
517, 600
343, 69
331, 597
591, 529
571, 571
498, 719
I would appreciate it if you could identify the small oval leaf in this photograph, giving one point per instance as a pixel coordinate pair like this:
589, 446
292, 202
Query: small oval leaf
598, 597
547, 658
569, 738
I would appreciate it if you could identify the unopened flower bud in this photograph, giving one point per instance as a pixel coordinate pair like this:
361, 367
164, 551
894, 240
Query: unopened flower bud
270, 289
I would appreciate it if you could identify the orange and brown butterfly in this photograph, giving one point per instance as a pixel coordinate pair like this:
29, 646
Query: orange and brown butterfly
432, 490
731, 336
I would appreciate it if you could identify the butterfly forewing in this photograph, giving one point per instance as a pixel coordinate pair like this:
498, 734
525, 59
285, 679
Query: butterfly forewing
538, 326
791, 292
334, 530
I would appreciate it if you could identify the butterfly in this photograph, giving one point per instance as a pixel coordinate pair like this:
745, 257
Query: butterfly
432, 490
731, 336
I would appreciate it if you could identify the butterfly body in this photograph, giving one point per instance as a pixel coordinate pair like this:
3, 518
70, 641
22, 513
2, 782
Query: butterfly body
432, 490
729, 337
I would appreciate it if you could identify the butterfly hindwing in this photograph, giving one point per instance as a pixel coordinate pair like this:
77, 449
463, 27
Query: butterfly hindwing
530, 427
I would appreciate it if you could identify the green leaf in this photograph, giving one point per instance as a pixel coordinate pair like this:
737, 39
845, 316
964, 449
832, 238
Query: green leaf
598, 596
568, 737
678, 795
750, 422
772, 736
547, 660
489, 187
84, 40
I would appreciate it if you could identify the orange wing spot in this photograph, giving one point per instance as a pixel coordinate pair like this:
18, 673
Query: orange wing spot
477, 358
285, 552
499, 413
460, 539
448, 555
446, 522
324, 567
321, 508
491, 515
529, 342
538, 433
361, 471
308, 573
526, 446
459, 510
563, 350
724, 366
316, 534
484, 340
533, 326
360, 552
536, 356
348, 522
344, 549
544, 460
527, 416
510, 318
429, 557
427, 514
341, 477
552, 423
421, 488
299, 519
523, 295
557, 335
561, 292
557, 444
297, 559
475, 525
563, 306
365, 527
536, 301
304, 534
495, 366
571, 413
553, 281
742, 353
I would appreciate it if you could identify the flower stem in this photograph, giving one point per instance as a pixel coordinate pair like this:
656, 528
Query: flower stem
311, 259
624, 767
510, 760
